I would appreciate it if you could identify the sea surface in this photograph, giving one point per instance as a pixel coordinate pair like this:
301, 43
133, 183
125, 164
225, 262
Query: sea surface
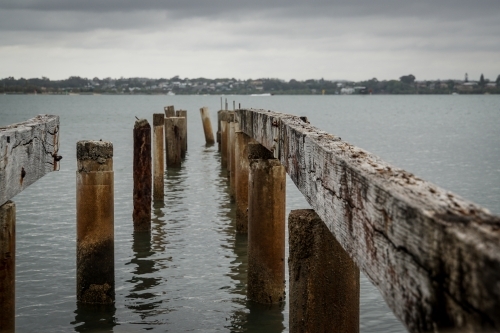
189, 273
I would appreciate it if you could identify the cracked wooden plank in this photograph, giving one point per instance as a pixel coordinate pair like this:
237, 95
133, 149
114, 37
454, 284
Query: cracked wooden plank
28, 151
434, 256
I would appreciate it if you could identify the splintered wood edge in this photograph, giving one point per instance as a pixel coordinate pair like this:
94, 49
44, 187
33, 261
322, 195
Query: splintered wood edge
434, 256
28, 151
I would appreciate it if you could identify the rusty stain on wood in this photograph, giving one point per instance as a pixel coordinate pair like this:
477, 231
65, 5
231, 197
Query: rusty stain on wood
142, 176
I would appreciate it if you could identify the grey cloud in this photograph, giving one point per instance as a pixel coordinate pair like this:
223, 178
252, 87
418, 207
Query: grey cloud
333, 8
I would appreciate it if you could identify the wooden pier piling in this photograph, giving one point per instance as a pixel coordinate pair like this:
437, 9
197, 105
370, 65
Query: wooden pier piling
207, 125
169, 111
220, 116
324, 281
142, 176
95, 223
232, 160
241, 171
266, 227
224, 129
184, 132
158, 159
173, 127
7, 267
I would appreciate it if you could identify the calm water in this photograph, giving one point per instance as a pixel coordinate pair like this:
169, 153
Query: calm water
189, 273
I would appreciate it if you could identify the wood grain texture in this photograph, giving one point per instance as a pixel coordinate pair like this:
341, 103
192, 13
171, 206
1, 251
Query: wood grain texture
434, 256
28, 151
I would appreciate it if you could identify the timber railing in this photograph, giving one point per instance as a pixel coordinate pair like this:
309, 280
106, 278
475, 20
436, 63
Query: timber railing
434, 256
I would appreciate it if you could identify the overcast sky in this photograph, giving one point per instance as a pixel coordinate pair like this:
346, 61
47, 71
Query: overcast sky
330, 39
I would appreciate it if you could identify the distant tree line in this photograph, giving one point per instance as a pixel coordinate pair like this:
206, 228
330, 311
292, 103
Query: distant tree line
407, 84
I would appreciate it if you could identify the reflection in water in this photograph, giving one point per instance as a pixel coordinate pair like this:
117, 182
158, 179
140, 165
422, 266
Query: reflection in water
158, 227
144, 297
94, 318
248, 316
141, 298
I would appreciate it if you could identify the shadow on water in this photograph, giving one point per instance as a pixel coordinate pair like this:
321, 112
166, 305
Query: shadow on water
94, 318
248, 316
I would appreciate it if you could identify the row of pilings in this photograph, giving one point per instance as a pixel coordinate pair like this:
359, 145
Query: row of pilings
95, 202
324, 281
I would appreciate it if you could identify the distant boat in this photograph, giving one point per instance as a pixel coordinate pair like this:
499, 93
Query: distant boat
261, 95
455, 93
170, 93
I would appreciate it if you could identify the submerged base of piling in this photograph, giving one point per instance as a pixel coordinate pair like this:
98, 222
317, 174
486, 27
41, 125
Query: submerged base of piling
324, 281
7, 267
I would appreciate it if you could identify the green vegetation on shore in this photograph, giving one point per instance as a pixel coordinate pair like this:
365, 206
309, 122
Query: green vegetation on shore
406, 84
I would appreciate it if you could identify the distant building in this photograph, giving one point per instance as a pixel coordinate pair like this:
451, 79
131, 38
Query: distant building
347, 91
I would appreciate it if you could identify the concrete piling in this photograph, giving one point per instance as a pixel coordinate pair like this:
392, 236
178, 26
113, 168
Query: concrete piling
158, 159
173, 127
184, 132
207, 125
266, 227
324, 281
142, 176
7, 267
95, 269
241, 171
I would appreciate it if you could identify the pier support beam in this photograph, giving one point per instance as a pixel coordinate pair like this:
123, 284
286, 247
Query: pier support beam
241, 171
184, 132
142, 176
158, 159
95, 280
266, 227
324, 281
207, 125
7, 267
173, 127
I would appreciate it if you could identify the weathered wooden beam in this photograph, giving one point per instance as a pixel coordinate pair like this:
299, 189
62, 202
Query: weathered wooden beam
434, 256
28, 151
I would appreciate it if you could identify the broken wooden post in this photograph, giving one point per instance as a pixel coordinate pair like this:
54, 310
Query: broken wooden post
266, 227
169, 111
7, 267
173, 127
142, 176
241, 171
184, 132
158, 159
324, 281
95, 270
207, 125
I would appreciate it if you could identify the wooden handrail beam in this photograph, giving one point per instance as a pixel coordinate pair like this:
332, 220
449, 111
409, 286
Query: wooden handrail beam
28, 151
434, 256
